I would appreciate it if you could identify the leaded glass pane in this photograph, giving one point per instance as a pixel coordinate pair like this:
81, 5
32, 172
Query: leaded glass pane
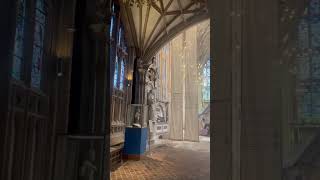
316, 105
19, 41
315, 65
117, 49
41, 6
314, 8
303, 34
116, 73
308, 65
119, 36
39, 34
305, 106
122, 74
315, 29
112, 25
303, 68
38, 43
36, 67
122, 40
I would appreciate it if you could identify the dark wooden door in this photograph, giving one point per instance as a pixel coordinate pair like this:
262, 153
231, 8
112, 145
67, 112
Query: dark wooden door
28, 123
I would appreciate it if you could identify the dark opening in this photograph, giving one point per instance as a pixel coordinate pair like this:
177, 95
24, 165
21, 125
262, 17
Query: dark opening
76, 73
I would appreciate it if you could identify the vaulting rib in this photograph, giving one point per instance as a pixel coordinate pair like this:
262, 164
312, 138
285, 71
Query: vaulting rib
131, 24
159, 20
145, 27
170, 22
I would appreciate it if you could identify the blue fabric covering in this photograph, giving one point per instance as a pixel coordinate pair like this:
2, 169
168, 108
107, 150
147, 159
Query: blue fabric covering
135, 141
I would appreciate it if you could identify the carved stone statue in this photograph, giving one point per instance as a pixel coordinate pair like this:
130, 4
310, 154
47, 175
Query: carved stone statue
137, 117
151, 75
151, 103
151, 78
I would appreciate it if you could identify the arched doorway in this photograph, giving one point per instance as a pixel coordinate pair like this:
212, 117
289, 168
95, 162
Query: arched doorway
177, 92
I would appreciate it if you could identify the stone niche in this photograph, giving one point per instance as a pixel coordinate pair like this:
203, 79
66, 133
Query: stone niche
161, 118
137, 114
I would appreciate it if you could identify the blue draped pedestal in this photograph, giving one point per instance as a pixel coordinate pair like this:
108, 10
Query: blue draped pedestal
135, 143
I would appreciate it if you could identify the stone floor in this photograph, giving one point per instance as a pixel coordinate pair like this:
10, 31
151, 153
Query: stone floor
169, 160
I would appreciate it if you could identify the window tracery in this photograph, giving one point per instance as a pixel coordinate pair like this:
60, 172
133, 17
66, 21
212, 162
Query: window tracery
18, 57
308, 65
118, 49
38, 43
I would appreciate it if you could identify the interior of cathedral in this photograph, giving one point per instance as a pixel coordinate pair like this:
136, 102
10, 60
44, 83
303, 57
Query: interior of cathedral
160, 89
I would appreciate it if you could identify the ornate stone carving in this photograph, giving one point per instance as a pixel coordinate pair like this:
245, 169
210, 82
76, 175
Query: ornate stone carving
151, 104
150, 86
161, 112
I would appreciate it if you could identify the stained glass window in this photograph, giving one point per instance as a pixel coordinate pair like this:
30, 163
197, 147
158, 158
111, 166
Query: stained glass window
206, 82
118, 48
19, 40
119, 36
122, 74
308, 65
113, 22
116, 73
38, 43
122, 39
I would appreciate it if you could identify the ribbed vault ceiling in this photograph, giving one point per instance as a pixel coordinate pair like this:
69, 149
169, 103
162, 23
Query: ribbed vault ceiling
150, 25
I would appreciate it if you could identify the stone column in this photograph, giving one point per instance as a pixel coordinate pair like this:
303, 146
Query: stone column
140, 83
176, 105
100, 78
191, 83
102, 74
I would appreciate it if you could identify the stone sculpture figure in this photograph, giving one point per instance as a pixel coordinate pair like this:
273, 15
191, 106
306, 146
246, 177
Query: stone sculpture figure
137, 117
151, 104
151, 78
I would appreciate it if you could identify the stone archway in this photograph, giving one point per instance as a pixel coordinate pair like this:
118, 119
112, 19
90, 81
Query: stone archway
246, 106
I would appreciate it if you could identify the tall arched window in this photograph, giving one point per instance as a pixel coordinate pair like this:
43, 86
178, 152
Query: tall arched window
308, 65
18, 57
118, 58
118, 49
113, 50
38, 43
116, 73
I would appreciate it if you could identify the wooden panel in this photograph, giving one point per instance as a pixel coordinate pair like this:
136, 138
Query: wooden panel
118, 119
